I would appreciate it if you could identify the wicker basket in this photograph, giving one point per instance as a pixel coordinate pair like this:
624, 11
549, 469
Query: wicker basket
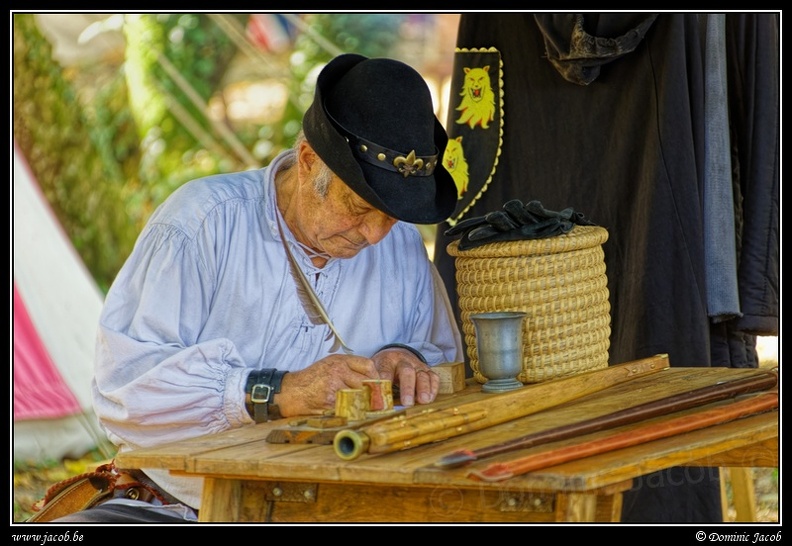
560, 282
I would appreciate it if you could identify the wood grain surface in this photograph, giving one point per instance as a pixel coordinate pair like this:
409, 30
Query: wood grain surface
240, 463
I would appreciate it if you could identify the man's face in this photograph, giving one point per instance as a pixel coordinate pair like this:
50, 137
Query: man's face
339, 224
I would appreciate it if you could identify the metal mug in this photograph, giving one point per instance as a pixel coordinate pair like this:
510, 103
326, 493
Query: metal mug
499, 342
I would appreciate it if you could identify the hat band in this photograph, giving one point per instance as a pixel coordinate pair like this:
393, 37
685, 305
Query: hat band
385, 158
391, 160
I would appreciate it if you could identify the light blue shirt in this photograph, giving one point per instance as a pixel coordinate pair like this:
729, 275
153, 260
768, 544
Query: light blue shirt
206, 296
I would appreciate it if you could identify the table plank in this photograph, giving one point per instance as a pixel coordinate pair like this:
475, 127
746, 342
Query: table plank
610, 467
245, 453
762, 454
182, 456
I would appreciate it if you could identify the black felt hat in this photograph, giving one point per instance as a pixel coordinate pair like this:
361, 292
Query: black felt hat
372, 122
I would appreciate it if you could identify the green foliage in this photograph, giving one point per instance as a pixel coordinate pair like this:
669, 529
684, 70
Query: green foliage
328, 34
175, 63
109, 142
105, 157
81, 159
369, 34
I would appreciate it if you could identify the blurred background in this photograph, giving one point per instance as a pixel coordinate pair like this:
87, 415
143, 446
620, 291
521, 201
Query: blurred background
111, 113
115, 111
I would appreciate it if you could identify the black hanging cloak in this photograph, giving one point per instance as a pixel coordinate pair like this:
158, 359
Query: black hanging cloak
607, 114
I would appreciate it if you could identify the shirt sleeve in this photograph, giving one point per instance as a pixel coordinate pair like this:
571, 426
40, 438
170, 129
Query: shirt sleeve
434, 332
153, 381
445, 329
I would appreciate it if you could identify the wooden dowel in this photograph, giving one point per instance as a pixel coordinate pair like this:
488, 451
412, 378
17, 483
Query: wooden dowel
652, 431
655, 408
390, 436
418, 426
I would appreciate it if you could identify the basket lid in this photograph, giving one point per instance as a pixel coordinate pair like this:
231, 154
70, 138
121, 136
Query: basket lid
577, 238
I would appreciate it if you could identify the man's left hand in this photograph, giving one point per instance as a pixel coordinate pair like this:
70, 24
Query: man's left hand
416, 381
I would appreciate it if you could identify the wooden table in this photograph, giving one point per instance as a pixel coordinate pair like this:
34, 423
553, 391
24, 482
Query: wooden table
248, 479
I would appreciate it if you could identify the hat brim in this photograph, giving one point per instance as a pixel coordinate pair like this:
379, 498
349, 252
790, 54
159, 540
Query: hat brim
414, 199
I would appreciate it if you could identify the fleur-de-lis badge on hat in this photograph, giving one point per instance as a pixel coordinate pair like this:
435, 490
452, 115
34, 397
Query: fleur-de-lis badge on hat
408, 165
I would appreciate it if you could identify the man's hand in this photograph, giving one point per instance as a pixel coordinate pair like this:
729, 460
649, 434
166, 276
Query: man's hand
312, 391
416, 380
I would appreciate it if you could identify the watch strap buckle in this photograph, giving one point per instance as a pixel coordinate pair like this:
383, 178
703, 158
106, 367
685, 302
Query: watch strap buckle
261, 394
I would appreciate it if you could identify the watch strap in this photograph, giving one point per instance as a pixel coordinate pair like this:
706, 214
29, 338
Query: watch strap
260, 391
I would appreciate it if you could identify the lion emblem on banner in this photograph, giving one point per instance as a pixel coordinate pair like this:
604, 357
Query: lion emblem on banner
478, 98
475, 125
456, 164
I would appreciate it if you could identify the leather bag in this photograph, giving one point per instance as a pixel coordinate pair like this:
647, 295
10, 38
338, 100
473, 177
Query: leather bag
90, 489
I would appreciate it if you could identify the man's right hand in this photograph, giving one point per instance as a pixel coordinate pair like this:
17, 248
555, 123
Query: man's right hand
312, 391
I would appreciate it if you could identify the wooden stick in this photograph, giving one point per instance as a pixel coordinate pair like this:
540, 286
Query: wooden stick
653, 431
655, 408
409, 431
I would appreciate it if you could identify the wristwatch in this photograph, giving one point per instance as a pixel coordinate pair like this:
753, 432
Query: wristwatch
260, 391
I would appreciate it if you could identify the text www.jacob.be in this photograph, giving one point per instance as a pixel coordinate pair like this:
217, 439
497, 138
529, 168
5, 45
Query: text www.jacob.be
44, 538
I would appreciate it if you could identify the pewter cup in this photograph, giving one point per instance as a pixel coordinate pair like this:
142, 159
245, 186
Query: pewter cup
499, 342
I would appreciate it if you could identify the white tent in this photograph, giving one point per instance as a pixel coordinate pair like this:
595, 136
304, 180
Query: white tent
56, 311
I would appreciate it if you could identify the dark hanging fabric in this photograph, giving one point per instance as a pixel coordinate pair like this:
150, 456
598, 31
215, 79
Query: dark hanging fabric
627, 146
753, 60
720, 245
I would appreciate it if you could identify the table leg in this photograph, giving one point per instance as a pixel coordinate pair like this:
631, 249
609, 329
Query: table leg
609, 508
576, 507
221, 500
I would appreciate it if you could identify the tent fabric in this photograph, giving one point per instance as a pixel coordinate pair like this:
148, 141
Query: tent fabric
39, 390
56, 312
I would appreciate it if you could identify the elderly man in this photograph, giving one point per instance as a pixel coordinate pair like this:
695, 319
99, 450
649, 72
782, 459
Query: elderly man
210, 326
